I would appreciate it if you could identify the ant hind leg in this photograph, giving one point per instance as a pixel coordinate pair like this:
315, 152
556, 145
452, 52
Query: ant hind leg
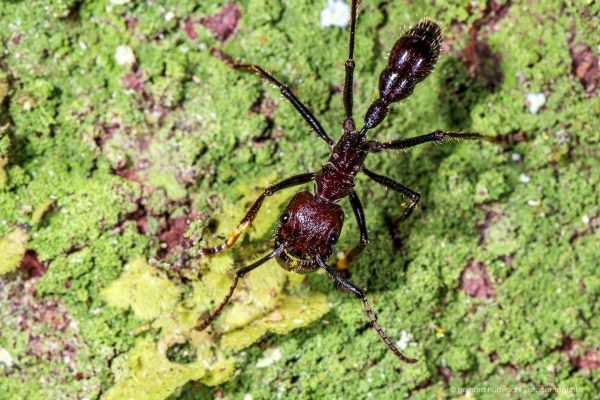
370, 314
285, 91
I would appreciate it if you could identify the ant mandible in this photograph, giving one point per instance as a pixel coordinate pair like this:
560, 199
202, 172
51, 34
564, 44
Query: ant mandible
311, 224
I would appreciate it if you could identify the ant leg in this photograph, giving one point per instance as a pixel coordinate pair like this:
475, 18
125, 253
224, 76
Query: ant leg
436, 136
370, 314
251, 214
238, 275
285, 91
364, 239
413, 196
349, 66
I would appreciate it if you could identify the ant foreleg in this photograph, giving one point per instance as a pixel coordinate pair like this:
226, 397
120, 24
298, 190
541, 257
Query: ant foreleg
370, 314
251, 214
436, 136
285, 91
414, 197
362, 226
349, 66
238, 275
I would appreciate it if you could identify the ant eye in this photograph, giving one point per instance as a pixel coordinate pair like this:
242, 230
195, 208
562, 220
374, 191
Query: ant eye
332, 238
285, 218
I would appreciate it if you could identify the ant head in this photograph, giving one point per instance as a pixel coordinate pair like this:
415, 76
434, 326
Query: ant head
310, 227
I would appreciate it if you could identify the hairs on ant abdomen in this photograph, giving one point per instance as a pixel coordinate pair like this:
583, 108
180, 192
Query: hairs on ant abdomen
311, 224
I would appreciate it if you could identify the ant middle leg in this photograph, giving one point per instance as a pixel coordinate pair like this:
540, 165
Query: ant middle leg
370, 314
414, 197
251, 214
435, 136
285, 91
359, 214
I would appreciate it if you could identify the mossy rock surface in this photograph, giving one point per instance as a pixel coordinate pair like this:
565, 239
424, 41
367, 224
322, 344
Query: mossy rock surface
125, 147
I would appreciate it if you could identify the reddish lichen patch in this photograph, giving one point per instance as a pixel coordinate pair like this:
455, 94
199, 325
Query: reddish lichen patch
131, 175
140, 217
589, 359
16, 39
475, 281
492, 216
189, 27
264, 106
585, 66
49, 330
131, 23
31, 266
134, 170
172, 236
512, 138
445, 373
108, 131
222, 24
134, 81
483, 64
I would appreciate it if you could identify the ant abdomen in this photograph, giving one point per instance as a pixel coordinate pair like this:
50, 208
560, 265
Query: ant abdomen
417, 51
412, 58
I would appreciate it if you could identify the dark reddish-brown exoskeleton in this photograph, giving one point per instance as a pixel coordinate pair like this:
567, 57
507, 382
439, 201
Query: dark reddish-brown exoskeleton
311, 223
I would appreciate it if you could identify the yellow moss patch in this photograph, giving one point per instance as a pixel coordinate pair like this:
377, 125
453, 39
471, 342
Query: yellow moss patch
297, 312
290, 313
152, 376
39, 212
144, 289
242, 338
12, 248
258, 306
257, 293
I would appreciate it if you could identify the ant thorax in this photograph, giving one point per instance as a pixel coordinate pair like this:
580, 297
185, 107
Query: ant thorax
335, 181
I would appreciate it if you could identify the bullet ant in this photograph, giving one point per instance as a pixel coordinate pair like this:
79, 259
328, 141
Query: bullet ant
311, 224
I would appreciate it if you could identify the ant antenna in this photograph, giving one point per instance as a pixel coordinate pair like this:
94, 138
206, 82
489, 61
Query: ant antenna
370, 314
238, 275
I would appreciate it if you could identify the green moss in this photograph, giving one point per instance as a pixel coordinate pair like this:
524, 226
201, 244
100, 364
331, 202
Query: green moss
96, 158
143, 289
